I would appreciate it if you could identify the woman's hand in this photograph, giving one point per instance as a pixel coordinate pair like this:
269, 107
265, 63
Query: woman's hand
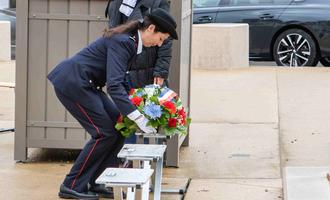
142, 124
141, 121
159, 81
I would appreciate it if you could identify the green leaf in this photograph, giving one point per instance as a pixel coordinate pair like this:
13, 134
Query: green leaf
163, 121
182, 128
132, 127
170, 131
120, 126
153, 123
167, 114
126, 133
166, 131
154, 99
128, 122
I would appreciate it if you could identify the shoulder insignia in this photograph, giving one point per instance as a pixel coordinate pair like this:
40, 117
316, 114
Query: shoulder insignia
132, 38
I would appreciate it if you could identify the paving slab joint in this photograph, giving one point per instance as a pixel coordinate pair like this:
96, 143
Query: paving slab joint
184, 192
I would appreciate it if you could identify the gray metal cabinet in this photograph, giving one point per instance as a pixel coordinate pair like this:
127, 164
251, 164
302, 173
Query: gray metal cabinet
51, 30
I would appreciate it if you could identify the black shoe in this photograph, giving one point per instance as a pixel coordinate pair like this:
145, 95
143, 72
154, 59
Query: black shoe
67, 193
104, 192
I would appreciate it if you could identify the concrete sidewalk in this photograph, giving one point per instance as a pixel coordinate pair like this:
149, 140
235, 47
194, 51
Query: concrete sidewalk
247, 125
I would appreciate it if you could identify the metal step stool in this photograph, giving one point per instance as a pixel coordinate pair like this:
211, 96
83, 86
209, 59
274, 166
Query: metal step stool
170, 157
125, 177
147, 153
158, 138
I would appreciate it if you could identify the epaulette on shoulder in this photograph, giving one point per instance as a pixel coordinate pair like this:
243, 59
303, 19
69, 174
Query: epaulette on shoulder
132, 38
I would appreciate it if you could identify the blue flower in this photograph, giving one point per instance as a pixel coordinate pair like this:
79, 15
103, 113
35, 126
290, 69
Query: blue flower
152, 110
139, 94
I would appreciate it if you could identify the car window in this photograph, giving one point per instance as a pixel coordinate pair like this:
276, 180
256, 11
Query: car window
206, 3
257, 2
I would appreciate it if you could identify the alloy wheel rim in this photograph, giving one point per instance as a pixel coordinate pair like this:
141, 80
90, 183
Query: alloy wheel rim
327, 59
294, 50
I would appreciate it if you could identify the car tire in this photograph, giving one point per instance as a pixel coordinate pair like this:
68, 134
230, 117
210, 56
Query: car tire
295, 48
325, 61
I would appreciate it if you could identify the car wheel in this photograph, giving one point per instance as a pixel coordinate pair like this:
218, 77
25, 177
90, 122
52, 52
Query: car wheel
325, 61
294, 48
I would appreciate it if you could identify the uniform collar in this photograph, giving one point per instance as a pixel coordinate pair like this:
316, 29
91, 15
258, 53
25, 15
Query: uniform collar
140, 45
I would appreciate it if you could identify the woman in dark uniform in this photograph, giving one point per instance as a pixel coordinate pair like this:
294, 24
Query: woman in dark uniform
78, 83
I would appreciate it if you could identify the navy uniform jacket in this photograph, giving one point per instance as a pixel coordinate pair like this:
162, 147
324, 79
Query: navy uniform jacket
103, 62
153, 61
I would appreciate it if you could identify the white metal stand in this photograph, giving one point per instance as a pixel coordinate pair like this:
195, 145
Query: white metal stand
126, 177
159, 138
147, 153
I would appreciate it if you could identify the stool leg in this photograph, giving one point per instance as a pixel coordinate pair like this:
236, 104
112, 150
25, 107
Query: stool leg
137, 164
145, 187
145, 191
158, 179
130, 193
118, 193
152, 183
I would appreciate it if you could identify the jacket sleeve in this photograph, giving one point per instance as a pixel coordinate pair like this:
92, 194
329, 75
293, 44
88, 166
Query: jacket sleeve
120, 52
164, 53
163, 61
165, 4
113, 12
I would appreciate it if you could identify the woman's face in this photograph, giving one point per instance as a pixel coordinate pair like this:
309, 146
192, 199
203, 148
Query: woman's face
151, 38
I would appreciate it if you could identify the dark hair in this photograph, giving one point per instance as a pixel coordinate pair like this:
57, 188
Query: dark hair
131, 27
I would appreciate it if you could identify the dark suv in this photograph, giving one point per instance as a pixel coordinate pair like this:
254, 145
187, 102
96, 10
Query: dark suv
291, 32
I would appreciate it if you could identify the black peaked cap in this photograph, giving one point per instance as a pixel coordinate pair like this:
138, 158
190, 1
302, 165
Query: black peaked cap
165, 21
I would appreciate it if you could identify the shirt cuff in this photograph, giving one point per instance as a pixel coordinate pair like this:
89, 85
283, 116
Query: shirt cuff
134, 115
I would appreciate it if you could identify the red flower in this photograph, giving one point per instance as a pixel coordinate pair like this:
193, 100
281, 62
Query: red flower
131, 92
182, 113
170, 106
182, 117
172, 122
184, 121
120, 119
136, 100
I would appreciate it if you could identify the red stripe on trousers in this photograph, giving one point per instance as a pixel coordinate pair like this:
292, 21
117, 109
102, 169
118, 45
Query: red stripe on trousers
81, 169
90, 153
89, 119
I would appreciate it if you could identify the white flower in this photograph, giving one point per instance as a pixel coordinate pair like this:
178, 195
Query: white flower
149, 91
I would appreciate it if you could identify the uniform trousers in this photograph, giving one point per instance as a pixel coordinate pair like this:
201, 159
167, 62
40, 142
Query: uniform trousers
98, 118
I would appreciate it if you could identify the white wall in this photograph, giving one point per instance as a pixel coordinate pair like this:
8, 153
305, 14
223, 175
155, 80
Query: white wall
217, 45
5, 50
4, 4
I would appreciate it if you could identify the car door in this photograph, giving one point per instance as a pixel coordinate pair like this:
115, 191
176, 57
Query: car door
205, 11
262, 17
